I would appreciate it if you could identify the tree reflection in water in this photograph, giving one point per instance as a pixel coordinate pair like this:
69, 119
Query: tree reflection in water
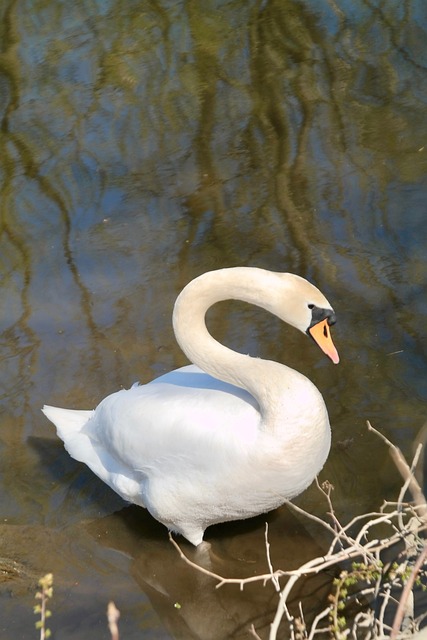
144, 143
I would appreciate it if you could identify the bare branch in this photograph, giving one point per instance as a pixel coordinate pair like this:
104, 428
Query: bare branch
274, 577
405, 523
253, 633
113, 615
406, 592
406, 472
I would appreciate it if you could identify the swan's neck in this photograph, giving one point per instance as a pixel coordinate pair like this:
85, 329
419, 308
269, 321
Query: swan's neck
265, 380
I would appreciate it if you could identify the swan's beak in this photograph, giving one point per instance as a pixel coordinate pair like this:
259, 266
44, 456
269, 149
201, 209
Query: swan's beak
321, 334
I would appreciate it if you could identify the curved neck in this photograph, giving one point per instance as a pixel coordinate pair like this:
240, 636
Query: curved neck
262, 378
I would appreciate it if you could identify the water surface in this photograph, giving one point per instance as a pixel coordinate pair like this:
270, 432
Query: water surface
142, 144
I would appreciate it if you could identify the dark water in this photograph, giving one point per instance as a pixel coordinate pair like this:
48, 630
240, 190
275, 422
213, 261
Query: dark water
141, 144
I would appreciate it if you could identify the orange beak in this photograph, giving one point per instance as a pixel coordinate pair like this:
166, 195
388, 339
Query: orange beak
321, 334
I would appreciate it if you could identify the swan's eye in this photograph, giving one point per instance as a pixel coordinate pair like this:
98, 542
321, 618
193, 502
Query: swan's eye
317, 315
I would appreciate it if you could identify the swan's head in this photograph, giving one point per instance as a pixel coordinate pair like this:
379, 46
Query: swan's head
307, 309
292, 298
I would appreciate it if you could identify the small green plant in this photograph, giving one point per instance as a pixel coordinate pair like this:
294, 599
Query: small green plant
361, 573
44, 595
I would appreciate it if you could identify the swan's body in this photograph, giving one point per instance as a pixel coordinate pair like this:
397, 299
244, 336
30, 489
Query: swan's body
225, 439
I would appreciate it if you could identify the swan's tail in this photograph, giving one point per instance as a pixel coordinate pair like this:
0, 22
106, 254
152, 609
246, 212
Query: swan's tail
66, 421
79, 434
69, 425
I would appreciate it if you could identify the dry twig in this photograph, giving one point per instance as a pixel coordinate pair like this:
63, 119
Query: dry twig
113, 615
405, 521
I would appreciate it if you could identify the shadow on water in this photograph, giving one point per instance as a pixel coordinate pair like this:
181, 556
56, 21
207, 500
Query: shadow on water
140, 145
185, 599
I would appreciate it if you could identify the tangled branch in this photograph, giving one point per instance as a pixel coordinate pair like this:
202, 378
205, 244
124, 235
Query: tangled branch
363, 578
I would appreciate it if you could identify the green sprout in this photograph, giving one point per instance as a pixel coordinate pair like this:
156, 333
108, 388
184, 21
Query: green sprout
45, 593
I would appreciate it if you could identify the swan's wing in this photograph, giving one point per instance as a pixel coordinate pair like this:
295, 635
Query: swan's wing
184, 418
166, 445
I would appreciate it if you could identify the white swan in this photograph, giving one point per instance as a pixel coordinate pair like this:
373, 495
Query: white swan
227, 438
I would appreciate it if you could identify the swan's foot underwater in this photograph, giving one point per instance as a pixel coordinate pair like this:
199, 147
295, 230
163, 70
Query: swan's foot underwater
201, 554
